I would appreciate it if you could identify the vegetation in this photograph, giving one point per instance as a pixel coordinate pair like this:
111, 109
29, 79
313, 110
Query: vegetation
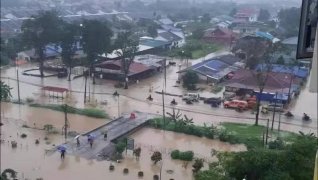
126, 46
96, 113
9, 50
156, 157
198, 164
40, 31
4, 175
5, 91
69, 35
96, 40
185, 156
137, 153
190, 79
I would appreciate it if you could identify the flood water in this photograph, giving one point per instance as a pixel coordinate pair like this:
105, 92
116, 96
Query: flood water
31, 161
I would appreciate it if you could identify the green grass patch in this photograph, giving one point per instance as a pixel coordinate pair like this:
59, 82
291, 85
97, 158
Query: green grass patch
252, 136
182, 155
90, 112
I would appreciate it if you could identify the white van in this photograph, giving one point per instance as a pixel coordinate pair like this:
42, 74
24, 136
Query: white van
191, 97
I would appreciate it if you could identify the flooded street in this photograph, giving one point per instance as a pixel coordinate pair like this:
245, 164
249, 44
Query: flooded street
31, 161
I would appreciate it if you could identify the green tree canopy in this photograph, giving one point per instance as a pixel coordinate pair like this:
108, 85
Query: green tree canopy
190, 79
152, 31
126, 46
69, 37
206, 18
40, 30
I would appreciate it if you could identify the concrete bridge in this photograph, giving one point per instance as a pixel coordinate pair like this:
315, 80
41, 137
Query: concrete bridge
102, 149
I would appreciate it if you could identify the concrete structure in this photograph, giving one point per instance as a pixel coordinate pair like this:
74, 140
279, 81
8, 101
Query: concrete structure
102, 149
219, 35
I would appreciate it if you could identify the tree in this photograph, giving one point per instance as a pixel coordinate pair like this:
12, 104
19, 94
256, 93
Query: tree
206, 18
156, 157
39, 31
233, 12
198, 33
295, 161
69, 35
289, 20
198, 164
264, 15
251, 55
152, 31
5, 91
127, 47
96, 40
190, 79
137, 153
11, 172
280, 60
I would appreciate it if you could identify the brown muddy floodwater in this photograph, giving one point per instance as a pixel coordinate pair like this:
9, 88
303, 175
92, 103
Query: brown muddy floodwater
30, 160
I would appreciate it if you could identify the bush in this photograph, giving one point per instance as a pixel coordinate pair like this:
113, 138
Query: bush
140, 174
277, 144
125, 171
190, 79
29, 100
23, 135
185, 156
111, 167
155, 177
175, 154
120, 146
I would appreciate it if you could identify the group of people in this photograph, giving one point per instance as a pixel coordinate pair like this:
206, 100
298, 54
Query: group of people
90, 140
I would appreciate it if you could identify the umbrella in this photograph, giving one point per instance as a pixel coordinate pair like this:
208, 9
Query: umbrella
61, 148
91, 136
76, 137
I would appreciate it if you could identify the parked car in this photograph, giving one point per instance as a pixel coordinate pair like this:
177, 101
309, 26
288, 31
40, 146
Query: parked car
271, 107
237, 104
191, 97
228, 95
213, 100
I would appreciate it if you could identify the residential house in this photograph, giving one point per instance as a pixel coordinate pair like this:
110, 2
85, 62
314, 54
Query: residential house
216, 69
113, 70
245, 15
172, 38
281, 83
166, 21
219, 35
246, 28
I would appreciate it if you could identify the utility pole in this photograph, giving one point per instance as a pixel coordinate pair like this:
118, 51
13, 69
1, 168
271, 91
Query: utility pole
19, 100
163, 109
267, 127
274, 111
85, 76
65, 121
118, 106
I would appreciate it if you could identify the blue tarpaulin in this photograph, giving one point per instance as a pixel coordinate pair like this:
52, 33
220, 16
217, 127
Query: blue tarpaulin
300, 72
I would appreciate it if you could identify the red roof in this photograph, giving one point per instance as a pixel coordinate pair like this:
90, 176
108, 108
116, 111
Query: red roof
54, 89
134, 68
275, 81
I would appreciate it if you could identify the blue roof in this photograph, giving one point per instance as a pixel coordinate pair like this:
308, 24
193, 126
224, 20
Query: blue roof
296, 70
264, 35
52, 50
153, 43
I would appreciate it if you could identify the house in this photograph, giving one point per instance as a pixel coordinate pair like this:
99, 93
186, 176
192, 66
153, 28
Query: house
216, 69
113, 70
172, 38
166, 21
152, 61
266, 36
281, 83
291, 42
296, 71
246, 28
246, 15
220, 35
